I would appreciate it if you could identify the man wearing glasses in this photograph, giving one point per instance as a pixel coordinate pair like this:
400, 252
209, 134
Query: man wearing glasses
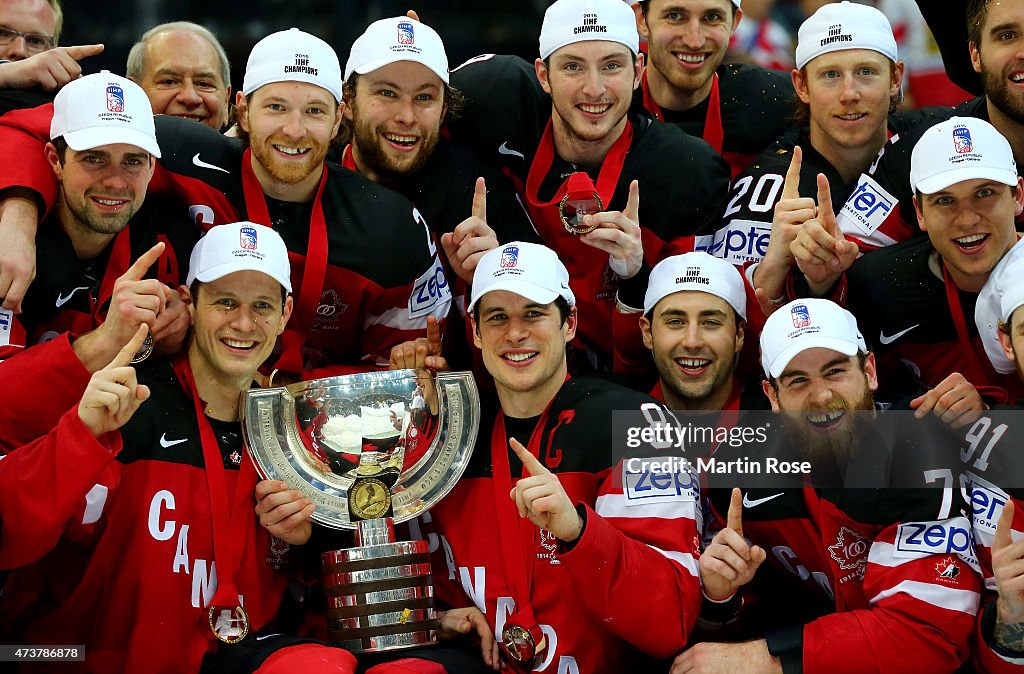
29, 56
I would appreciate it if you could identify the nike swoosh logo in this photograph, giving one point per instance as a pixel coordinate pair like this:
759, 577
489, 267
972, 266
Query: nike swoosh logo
202, 164
165, 443
751, 503
62, 300
505, 149
266, 636
892, 338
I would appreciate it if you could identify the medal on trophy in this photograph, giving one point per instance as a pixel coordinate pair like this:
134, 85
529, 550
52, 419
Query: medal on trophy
580, 199
370, 452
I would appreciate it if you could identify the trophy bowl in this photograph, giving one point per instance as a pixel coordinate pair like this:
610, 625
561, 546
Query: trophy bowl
370, 450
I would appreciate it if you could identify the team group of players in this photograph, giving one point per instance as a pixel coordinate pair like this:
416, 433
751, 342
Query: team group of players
605, 230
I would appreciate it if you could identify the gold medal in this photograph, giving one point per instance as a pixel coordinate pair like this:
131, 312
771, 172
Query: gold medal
369, 499
229, 625
571, 213
519, 645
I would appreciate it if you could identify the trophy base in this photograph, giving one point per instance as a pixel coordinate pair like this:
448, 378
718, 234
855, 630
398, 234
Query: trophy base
379, 596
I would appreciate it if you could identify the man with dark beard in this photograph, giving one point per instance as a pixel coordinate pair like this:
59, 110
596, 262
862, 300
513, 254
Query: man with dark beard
350, 308
882, 205
848, 552
397, 99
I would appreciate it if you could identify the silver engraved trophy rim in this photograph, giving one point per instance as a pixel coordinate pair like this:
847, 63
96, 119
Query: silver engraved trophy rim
275, 442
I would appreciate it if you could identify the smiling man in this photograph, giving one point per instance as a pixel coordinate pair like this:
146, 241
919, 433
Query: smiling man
90, 297
544, 485
183, 69
914, 300
562, 129
847, 552
738, 109
350, 309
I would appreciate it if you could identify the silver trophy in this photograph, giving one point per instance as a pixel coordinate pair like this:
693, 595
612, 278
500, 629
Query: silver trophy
370, 450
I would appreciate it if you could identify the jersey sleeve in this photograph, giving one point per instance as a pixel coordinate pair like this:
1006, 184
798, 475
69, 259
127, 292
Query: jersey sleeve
43, 484
922, 591
55, 366
630, 548
24, 134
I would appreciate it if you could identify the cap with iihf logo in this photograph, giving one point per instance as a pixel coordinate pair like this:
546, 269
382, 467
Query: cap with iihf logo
527, 269
700, 272
292, 56
807, 324
240, 246
569, 21
844, 25
397, 39
103, 109
958, 149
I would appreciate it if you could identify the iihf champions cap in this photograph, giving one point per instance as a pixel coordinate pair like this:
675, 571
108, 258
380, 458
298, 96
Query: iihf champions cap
696, 272
526, 269
961, 148
292, 56
397, 39
103, 109
807, 324
570, 21
240, 246
844, 25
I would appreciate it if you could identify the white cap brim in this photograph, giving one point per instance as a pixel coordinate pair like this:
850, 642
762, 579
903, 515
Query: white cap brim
530, 291
941, 181
87, 139
380, 63
845, 347
221, 270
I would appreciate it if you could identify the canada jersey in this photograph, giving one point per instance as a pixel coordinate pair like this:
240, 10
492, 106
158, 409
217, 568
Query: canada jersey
756, 106
992, 475
904, 311
136, 564
586, 599
682, 182
881, 566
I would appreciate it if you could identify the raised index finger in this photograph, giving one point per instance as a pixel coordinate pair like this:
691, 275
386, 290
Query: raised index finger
633, 203
791, 186
1003, 538
138, 270
734, 519
480, 199
433, 335
826, 216
530, 462
127, 353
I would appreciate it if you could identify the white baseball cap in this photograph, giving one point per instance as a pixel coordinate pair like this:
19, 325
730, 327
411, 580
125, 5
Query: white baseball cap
240, 246
844, 25
807, 324
1002, 293
637, 2
961, 148
526, 269
292, 56
397, 39
696, 271
570, 21
103, 109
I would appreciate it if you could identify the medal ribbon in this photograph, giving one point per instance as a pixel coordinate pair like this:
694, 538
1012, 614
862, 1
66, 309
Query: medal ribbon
611, 169
314, 269
347, 160
230, 527
714, 130
517, 535
977, 373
